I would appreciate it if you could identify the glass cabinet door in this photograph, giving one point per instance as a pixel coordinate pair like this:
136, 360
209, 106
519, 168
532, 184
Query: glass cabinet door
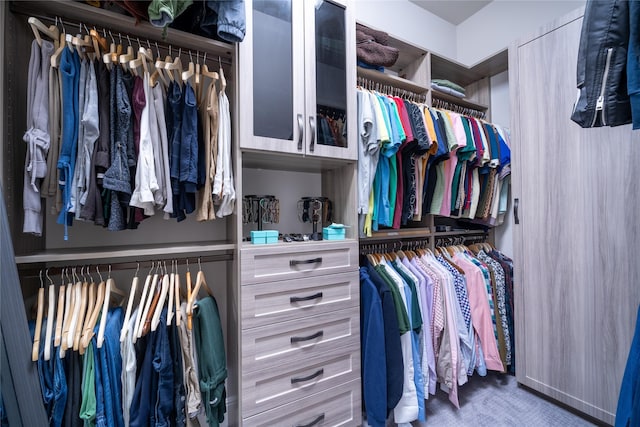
329, 79
275, 91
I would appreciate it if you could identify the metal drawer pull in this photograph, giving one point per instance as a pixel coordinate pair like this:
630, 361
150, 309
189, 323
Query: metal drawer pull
314, 422
300, 131
312, 125
295, 262
309, 298
309, 338
310, 377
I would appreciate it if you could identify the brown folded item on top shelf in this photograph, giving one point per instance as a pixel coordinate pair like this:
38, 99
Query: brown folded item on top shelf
373, 53
379, 36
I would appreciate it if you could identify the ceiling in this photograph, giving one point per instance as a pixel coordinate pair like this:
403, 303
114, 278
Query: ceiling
453, 11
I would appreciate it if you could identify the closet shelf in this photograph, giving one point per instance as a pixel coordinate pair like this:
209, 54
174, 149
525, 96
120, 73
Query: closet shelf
389, 79
136, 252
435, 93
118, 23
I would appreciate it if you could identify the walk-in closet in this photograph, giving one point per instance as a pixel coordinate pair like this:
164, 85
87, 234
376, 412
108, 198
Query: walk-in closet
319, 213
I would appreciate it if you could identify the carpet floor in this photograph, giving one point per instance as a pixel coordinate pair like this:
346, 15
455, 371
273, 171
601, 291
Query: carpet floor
494, 401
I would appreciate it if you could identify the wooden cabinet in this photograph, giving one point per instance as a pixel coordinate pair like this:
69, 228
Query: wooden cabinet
296, 78
300, 338
576, 242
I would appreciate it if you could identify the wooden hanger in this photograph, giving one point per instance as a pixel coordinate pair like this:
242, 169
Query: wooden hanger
60, 313
55, 57
81, 314
141, 61
35, 349
127, 315
99, 42
188, 75
125, 58
88, 333
110, 288
50, 317
146, 326
75, 314
175, 67
91, 303
40, 29
200, 280
158, 73
172, 284
68, 314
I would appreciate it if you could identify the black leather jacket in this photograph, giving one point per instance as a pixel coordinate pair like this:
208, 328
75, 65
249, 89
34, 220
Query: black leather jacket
602, 60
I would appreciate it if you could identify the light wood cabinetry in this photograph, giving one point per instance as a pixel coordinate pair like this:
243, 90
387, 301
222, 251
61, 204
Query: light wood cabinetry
297, 68
576, 242
301, 336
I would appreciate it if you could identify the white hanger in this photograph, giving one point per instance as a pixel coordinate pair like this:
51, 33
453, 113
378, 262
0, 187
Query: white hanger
172, 283
177, 295
36, 337
50, 317
68, 314
155, 321
127, 315
81, 315
141, 304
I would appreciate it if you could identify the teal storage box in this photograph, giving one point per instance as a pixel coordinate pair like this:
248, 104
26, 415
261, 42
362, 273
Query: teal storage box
271, 236
264, 236
331, 233
258, 237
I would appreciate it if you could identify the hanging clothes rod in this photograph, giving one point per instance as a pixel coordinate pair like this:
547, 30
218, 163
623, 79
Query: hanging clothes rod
388, 89
451, 106
148, 37
130, 265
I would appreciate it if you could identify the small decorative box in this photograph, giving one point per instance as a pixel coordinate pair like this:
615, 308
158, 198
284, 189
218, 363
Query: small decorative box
334, 232
264, 236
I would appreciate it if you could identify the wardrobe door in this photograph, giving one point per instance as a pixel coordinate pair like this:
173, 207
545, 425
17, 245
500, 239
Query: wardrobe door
272, 77
577, 240
330, 79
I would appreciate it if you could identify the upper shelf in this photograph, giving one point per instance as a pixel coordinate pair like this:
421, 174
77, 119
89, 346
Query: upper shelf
137, 252
463, 102
392, 80
444, 68
117, 23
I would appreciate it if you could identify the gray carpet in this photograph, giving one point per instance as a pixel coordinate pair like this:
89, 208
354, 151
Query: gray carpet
497, 400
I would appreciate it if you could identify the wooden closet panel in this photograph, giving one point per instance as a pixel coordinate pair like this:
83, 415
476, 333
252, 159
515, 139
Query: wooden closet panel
577, 240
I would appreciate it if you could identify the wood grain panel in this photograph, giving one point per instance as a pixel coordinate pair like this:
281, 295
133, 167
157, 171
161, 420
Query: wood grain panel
278, 344
267, 389
577, 290
264, 303
339, 406
269, 263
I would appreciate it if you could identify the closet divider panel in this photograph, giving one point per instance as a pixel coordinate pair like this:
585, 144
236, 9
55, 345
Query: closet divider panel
577, 240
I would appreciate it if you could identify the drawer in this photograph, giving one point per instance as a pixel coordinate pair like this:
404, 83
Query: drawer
267, 303
298, 340
296, 260
269, 388
339, 406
